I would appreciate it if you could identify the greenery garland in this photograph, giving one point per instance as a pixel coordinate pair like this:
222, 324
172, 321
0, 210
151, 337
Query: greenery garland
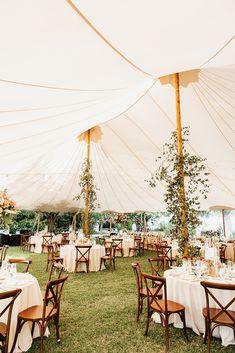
86, 179
196, 184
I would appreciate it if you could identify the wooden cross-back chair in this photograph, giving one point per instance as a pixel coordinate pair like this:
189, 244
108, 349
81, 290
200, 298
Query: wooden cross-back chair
82, 256
65, 239
3, 252
118, 246
158, 265
141, 289
5, 327
56, 271
46, 240
110, 255
25, 242
138, 248
24, 262
217, 313
42, 314
222, 250
165, 251
164, 307
53, 254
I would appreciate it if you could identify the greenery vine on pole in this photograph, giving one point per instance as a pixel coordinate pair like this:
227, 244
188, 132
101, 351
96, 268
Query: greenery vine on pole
88, 189
196, 185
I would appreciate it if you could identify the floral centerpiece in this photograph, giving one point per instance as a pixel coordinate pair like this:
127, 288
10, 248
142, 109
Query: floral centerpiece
7, 209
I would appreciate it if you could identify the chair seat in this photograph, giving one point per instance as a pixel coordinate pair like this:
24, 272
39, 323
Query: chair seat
223, 318
34, 313
3, 329
172, 307
106, 257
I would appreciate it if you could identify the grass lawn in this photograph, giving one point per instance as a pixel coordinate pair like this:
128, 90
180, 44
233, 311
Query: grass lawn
98, 314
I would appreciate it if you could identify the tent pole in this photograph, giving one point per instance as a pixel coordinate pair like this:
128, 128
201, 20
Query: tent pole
184, 231
38, 223
110, 224
144, 222
223, 223
86, 221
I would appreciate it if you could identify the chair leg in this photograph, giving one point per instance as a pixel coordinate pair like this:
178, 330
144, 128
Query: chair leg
167, 333
139, 307
18, 329
41, 338
209, 338
206, 331
100, 264
56, 321
147, 323
184, 324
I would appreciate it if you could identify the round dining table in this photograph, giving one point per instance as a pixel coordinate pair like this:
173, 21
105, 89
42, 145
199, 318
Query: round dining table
68, 253
185, 288
30, 295
37, 240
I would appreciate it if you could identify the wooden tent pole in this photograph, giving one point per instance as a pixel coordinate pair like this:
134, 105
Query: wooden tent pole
144, 222
184, 231
223, 223
110, 224
86, 221
38, 222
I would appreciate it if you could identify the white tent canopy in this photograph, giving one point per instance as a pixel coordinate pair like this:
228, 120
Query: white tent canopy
68, 66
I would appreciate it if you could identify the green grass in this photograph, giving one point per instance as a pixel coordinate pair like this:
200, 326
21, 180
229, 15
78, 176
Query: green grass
98, 315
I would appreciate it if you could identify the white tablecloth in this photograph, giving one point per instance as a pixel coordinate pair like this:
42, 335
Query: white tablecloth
38, 239
127, 244
30, 295
68, 253
191, 294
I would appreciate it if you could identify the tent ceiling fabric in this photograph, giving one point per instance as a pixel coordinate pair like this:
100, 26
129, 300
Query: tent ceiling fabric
62, 72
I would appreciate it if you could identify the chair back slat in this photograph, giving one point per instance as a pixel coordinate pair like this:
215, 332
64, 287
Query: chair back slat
12, 295
54, 288
158, 265
159, 283
25, 262
138, 275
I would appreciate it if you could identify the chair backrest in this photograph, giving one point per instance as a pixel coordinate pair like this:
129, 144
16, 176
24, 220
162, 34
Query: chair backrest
83, 253
56, 270
11, 296
65, 239
25, 262
54, 289
118, 243
222, 250
138, 242
55, 247
138, 275
164, 250
24, 239
46, 240
3, 249
158, 265
214, 292
159, 283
